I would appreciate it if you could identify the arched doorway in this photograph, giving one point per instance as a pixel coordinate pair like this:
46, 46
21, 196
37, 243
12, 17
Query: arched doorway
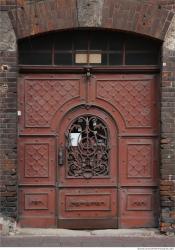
87, 171
97, 81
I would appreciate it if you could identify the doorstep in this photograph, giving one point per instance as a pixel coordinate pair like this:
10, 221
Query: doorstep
151, 232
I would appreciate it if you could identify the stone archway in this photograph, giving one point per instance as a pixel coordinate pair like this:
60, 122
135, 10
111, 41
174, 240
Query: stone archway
143, 17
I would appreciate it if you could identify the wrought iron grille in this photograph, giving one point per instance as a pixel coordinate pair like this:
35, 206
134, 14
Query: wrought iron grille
88, 148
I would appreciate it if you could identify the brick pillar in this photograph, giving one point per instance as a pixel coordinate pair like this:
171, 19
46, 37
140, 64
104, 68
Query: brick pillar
167, 184
8, 117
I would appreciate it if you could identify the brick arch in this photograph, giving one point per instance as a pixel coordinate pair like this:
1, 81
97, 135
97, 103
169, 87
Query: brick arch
144, 17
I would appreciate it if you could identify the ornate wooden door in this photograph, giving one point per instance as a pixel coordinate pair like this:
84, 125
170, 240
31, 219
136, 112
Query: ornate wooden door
133, 102
88, 170
88, 150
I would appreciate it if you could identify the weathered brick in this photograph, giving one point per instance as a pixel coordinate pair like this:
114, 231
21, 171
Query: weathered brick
172, 214
163, 224
166, 203
6, 194
11, 188
167, 193
165, 188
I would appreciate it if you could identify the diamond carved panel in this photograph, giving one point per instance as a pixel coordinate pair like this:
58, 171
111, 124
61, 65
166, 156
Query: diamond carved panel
36, 160
131, 97
139, 160
43, 97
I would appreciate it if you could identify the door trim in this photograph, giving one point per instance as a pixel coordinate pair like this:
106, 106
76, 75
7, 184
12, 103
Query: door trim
78, 69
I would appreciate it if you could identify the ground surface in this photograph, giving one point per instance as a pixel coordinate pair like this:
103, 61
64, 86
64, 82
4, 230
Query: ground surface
96, 238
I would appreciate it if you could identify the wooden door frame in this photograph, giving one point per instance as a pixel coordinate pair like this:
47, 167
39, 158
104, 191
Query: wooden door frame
77, 69
100, 70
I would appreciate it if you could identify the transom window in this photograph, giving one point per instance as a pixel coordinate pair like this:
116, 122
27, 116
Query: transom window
89, 47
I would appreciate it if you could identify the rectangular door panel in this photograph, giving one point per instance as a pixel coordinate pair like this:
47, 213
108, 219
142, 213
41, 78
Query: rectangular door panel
132, 99
37, 207
82, 205
138, 162
138, 207
37, 164
41, 96
87, 203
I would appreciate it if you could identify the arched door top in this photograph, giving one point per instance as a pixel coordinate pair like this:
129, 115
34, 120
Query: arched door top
131, 16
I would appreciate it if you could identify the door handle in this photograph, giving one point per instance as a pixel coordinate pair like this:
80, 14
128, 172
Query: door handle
61, 155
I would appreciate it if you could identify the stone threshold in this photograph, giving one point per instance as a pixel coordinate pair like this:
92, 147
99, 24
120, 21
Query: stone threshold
151, 232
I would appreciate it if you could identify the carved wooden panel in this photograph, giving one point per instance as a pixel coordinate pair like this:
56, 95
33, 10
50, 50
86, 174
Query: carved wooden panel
37, 161
138, 207
43, 97
37, 207
139, 202
88, 203
133, 98
36, 201
138, 162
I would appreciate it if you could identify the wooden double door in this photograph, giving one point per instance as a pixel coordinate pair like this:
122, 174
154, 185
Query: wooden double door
88, 150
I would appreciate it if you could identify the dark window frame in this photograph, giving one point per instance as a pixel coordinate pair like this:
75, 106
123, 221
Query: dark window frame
27, 46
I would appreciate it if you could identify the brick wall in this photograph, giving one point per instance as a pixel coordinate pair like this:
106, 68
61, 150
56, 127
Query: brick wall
8, 121
167, 192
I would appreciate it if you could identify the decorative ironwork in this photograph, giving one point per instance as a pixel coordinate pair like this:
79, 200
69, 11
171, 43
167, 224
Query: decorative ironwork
87, 148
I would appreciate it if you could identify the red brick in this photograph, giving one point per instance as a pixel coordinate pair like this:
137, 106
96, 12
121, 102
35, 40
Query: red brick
8, 194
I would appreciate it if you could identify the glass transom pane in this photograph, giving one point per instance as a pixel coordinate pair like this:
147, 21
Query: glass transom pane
89, 47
